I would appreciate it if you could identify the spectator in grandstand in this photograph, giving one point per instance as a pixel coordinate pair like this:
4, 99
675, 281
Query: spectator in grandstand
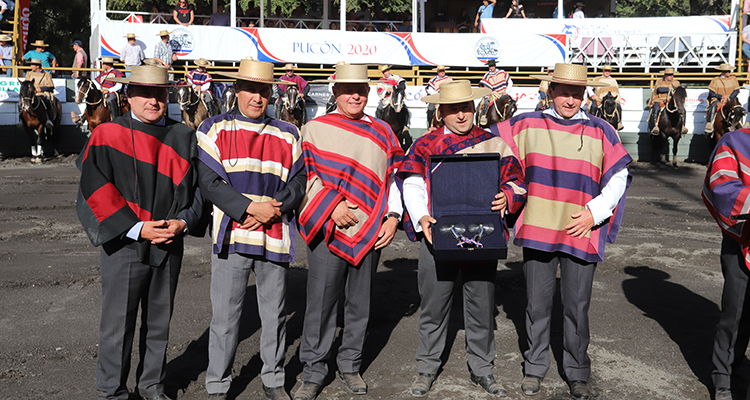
554, 13
290, 25
6, 5
219, 18
661, 95
155, 17
385, 87
515, 10
369, 28
600, 12
746, 38
334, 26
131, 54
6, 53
163, 50
406, 26
745, 12
183, 13
596, 95
721, 88
433, 87
80, 60
464, 22
350, 27
578, 13
40, 53
387, 29
485, 11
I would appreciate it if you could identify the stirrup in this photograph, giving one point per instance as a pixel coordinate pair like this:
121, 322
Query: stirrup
684, 130
655, 131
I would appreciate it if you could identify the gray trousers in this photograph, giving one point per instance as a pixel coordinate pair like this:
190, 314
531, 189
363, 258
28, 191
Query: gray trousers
229, 275
328, 278
732, 331
436, 282
126, 284
576, 278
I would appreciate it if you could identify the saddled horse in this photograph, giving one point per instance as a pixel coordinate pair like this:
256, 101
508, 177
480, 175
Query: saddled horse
608, 110
193, 106
728, 118
96, 112
671, 120
228, 99
291, 110
396, 115
39, 121
499, 110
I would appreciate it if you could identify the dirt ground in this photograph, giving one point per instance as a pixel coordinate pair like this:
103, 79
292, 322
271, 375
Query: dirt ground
653, 313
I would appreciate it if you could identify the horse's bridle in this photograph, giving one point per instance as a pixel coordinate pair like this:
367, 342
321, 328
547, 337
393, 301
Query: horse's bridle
615, 111
736, 107
393, 103
226, 101
288, 103
188, 102
30, 106
503, 115
85, 96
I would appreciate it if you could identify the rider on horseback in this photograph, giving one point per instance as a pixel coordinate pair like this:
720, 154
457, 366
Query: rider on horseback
596, 95
43, 85
433, 87
386, 85
544, 100
499, 82
281, 91
661, 95
201, 80
110, 90
721, 88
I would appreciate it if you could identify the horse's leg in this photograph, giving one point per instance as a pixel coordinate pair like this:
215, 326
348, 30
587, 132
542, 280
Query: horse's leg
675, 142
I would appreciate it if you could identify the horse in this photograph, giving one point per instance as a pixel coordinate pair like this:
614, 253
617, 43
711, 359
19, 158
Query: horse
728, 118
290, 109
396, 115
39, 122
499, 110
608, 110
193, 106
96, 112
671, 120
228, 99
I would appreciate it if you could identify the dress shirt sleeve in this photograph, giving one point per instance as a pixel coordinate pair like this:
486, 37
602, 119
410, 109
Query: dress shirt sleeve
415, 199
116, 88
394, 197
510, 85
601, 206
590, 91
206, 86
135, 232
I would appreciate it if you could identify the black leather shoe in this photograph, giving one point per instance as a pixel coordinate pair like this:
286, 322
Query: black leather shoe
275, 393
422, 384
723, 394
308, 391
531, 385
353, 381
580, 390
489, 384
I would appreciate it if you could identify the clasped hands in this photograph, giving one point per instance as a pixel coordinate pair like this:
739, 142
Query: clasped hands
261, 213
343, 217
162, 231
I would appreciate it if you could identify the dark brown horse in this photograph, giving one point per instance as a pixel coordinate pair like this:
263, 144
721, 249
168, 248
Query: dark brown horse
396, 115
228, 99
96, 112
193, 106
499, 110
728, 118
40, 120
291, 111
671, 120
608, 110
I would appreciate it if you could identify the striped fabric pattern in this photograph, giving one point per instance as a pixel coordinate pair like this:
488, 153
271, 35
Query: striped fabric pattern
198, 77
347, 160
257, 158
566, 164
497, 81
726, 189
384, 83
436, 81
112, 73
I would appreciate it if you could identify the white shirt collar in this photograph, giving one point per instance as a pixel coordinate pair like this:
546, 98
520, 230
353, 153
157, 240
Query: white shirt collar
580, 115
364, 118
161, 122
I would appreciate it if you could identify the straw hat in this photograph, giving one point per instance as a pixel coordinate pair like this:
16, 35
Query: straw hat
607, 68
725, 67
385, 67
351, 73
35, 61
39, 43
108, 60
568, 74
456, 92
253, 70
668, 71
163, 33
289, 66
145, 75
5, 38
153, 62
579, 4
439, 68
130, 36
202, 62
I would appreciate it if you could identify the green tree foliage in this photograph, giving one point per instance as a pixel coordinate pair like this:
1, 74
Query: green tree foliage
59, 23
672, 8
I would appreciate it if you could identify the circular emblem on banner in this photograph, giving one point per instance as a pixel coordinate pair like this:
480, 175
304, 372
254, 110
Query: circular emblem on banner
487, 48
182, 41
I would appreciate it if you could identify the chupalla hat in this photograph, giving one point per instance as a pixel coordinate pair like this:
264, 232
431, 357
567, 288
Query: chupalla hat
440, 68
35, 61
668, 71
351, 73
39, 43
202, 62
725, 67
607, 68
130, 36
289, 67
5, 38
253, 70
163, 33
108, 60
145, 75
456, 92
568, 74
385, 67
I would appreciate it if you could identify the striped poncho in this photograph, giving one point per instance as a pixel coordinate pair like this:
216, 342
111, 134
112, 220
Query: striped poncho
566, 164
256, 157
351, 160
726, 189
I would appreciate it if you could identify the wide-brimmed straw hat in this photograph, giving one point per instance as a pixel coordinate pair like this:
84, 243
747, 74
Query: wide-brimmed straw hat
456, 92
163, 33
568, 74
385, 67
145, 75
202, 62
289, 66
725, 67
39, 43
108, 60
440, 68
607, 68
5, 38
254, 71
35, 61
350, 73
130, 36
668, 71
153, 62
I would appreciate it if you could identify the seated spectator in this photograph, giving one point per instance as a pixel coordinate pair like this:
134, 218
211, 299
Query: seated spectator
515, 10
464, 22
219, 18
369, 27
387, 28
350, 27
334, 26
406, 26
290, 25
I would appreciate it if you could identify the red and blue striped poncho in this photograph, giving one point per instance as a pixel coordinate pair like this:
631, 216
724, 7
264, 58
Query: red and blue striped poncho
477, 141
726, 189
351, 160
566, 164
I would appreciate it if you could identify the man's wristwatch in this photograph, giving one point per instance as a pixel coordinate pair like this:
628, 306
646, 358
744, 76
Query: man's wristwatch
394, 215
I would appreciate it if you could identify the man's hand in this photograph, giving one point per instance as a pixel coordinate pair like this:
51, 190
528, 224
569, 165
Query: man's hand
426, 223
386, 233
342, 217
250, 223
265, 212
174, 226
582, 223
156, 231
500, 203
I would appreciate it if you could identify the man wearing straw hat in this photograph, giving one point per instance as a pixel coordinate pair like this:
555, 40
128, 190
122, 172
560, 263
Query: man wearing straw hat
660, 96
253, 223
200, 79
345, 218
576, 170
436, 279
433, 87
597, 94
302, 87
721, 89
578, 13
544, 101
499, 82
386, 85
6, 53
139, 217
131, 54
110, 89
163, 50
40, 53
